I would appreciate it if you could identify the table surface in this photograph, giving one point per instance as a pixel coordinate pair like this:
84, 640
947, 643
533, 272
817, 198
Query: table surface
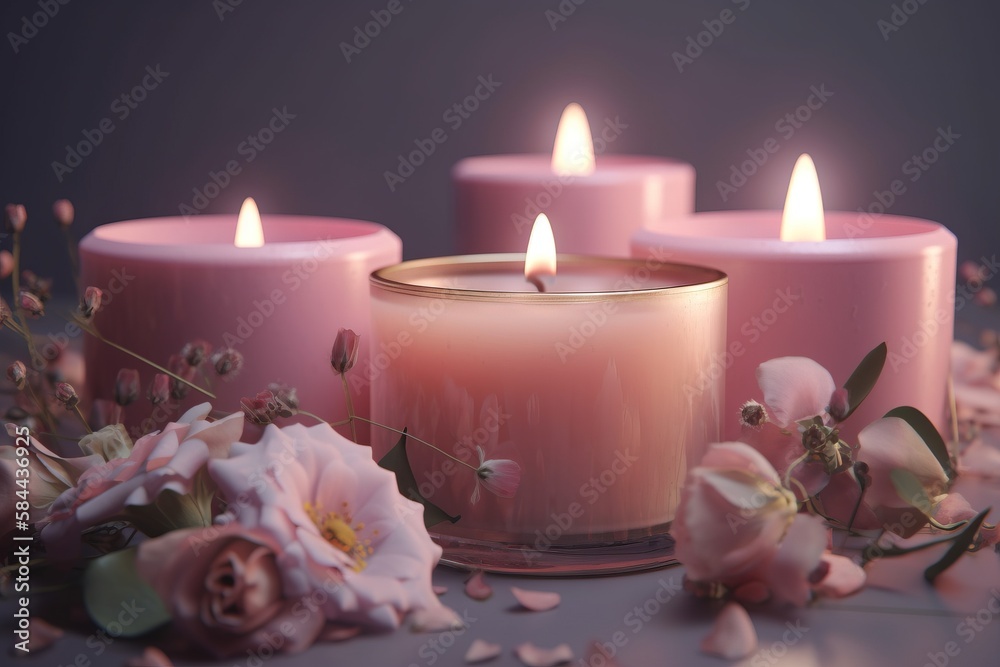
644, 619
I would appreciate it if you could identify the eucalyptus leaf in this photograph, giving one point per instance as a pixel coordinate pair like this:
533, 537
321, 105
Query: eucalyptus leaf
118, 600
928, 433
864, 377
396, 461
960, 544
909, 488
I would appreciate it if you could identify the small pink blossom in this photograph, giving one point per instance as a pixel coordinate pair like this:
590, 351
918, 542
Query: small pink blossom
126, 386
30, 303
345, 351
63, 212
91, 302
500, 476
15, 217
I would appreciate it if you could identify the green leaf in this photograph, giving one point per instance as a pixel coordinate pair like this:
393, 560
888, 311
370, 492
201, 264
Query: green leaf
928, 433
118, 600
909, 488
864, 377
960, 544
396, 461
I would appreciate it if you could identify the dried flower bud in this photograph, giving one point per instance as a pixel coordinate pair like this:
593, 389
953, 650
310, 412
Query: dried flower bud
91, 302
40, 287
30, 303
66, 394
196, 352
6, 264
126, 386
264, 408
18, 374
839, 405
986, 297
970, 271
159, 389
63, 212
285, 395
4, 311
345, 351
178, 365
15, 216
814, 439
227, 362
753, 414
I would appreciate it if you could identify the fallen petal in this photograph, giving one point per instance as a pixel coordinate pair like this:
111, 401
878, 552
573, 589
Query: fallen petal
733, 636
481, 651
151, 657
439, 590
536, 600
844, 577
436, 619
534, 656
477, 588
339, 633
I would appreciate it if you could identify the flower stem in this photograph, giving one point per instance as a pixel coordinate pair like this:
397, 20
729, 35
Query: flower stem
83, 420
89, 328
350, 407
36, 359
423, 442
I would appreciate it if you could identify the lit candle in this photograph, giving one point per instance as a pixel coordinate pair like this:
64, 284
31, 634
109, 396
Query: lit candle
596, 202
277, 292
581, 385
827, 286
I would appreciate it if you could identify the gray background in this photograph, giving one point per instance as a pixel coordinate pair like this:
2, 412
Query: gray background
228, 69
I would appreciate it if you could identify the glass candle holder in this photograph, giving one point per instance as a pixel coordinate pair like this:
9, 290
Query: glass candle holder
601, 389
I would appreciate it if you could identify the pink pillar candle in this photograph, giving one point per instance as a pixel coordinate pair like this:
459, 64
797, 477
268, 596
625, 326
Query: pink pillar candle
888, 279
497, 198
580, 385
168, 281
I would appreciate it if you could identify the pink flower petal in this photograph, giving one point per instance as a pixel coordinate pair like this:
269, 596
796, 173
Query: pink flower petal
953, 508
534, 656
439, 590
843, 578
437, 618
797, 557
980, 459
536, 600
889, 444
794, 388
476, 586
151, 657
754, 592
733, 636
338, 633
740, 456
481, 651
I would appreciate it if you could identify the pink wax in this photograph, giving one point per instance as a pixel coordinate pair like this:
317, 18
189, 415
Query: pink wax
581, 386
888, 279
497, 198
168, 281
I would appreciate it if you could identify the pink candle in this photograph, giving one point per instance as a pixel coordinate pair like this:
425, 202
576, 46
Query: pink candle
594, 204
870, 280
168, 281
580, 385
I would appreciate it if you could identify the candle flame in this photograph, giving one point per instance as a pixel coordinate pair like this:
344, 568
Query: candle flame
573, 152
540, 260
802, 219
249, 232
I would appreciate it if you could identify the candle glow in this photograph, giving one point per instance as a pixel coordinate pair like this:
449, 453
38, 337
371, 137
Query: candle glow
802, 218
540, 258
573, 152
249, 232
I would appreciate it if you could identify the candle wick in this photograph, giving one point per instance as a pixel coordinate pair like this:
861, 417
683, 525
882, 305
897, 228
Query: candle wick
537, 282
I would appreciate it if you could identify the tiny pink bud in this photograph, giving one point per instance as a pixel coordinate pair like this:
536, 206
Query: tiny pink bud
91, 302
196, 352
126, 386
63, 212
345, 351
66, 394
178, 365
159, 389
986, 297
40, 287
227, 362
15, 216
17, 372
839, 405
6, 263
970, 271
753, 414
30, 303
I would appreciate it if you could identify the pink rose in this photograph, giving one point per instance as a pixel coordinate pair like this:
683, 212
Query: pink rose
161, 461
333, 510
223, 587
